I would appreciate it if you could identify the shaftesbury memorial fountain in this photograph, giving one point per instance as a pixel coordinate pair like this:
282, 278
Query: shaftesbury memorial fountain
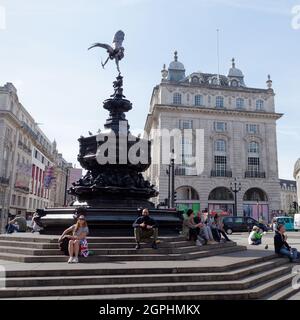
113, 188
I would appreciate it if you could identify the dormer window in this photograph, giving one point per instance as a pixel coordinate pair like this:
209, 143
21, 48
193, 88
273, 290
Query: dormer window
259, 105
214, 81
195, 79
234, 83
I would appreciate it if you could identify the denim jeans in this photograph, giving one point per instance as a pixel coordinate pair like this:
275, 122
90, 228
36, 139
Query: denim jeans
256, 242
292, 254
11, 228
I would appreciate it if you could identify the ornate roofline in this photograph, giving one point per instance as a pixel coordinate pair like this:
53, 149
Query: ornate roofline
216, 87
206, 110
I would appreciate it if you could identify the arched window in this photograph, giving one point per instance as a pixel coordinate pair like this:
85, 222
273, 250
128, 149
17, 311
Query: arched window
221, 193
220, 145
198, 100
255, 194
259, 105
234, 83
177, 98
219, 102
253, 147
240, 103
195, 79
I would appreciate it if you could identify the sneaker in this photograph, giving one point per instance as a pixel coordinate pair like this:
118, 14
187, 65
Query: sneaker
154, 246
138, 246
70, 260
75, 260
198, 243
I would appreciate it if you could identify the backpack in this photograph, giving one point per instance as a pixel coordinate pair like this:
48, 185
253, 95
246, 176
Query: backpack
64, 246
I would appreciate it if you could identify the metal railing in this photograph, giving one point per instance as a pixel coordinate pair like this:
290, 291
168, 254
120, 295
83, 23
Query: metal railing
255, 174
221, 173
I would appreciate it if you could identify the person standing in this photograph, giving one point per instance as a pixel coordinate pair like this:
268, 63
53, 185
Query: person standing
145, 227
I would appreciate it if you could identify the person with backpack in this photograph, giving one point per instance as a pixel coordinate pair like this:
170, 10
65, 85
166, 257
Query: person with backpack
76, 237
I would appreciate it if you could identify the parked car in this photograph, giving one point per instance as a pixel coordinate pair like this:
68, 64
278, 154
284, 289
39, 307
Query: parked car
297, 221
241, 224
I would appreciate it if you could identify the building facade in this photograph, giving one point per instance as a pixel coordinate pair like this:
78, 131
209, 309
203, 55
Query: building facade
28, 160
239, 141
288, 196
297, 178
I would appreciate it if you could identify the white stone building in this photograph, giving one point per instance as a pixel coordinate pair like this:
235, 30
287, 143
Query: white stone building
297, 178
239, 126
288, 195
25, 156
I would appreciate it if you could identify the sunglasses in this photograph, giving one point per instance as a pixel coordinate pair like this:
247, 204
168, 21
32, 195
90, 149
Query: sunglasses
81, 219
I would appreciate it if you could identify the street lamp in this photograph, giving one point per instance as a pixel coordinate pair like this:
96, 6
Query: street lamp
172, 166
235, 188
168, 172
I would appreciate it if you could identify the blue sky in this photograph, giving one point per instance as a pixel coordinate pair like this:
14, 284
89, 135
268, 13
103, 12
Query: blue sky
43, 51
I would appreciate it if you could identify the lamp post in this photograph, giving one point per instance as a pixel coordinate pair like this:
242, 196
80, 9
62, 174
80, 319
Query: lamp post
172, 166
235, 188
168, 172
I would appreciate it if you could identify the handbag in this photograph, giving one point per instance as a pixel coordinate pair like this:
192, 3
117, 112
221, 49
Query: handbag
64, 245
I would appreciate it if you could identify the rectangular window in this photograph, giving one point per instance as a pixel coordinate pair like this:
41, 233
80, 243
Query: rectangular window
253, 165
252, 128
24, 202
185, 124
19, 201
220, 126
220, 165
13, 199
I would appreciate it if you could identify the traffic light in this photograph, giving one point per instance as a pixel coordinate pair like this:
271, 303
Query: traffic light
175, 196
295, 205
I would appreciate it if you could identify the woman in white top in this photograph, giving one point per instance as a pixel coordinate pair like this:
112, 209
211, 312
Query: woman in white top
79, 232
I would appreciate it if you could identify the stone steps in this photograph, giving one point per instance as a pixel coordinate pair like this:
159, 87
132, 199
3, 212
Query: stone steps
130, 249
135, 256
248, 286
67, 280
93, 245
32, 249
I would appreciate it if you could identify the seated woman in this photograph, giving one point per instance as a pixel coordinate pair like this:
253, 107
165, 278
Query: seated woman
78, 231
282, 247
194, 228
220, 227
255, 236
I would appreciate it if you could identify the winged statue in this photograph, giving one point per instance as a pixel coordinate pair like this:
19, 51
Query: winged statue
115, 51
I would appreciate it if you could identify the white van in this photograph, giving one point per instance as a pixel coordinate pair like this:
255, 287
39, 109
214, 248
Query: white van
297, 221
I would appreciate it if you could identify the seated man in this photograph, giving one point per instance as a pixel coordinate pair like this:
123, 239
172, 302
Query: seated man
194, 227
18, 224
144, 228
282, 247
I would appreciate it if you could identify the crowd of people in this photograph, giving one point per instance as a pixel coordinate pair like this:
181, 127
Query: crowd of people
202, 228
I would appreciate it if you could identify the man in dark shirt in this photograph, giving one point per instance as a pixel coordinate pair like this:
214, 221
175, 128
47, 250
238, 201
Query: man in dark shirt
144, 228
282, 247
